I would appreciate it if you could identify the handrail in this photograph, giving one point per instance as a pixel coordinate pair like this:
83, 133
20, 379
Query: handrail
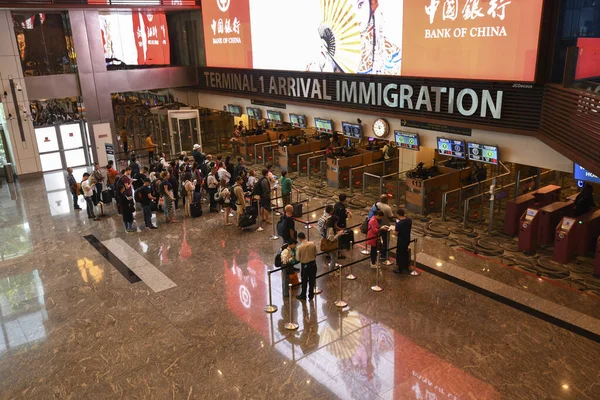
256, 150
460, 189
496, 190
381, 178
307, 165
308, 160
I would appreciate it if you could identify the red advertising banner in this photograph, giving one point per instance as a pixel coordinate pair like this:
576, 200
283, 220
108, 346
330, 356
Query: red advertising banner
588, 60
227, 33
471, 39
152, 38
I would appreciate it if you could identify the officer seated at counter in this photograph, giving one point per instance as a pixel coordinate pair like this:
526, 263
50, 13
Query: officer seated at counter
584, 200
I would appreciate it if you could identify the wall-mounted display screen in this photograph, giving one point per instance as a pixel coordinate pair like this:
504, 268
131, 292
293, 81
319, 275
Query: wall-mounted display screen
451, 148
429, 38
254, 113
483, 153
298, 121
275, 117
352, 131
235, 110
408, 141
588, 58
135, 38
582, 174
324, 125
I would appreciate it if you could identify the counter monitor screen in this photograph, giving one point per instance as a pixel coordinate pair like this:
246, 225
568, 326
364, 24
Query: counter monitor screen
483, 153
298, 121
352, 131
254, 113
324, 125
451, 148
530, 214
407, 140
567, 224
235, 110
275, 117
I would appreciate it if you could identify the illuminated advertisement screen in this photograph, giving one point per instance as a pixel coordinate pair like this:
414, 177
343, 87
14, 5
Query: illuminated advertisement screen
235, 110
352, 131
408, 141
483, 153
451, 148
429, 38
275, 116
324, 125
588, 58
582, 174
254, 113
135, 38
298, 121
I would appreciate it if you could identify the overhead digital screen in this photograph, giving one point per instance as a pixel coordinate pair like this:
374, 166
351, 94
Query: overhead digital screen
135, 38
275, 117
235, 110
352, 131
254, 113
324, 125
483, 153
298, 121
451, 148
582, 174
429, 38
408, 141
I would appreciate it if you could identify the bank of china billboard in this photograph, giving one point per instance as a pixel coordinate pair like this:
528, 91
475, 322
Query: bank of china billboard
461, 39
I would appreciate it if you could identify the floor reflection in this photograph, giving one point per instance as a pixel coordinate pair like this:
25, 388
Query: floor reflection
348, 352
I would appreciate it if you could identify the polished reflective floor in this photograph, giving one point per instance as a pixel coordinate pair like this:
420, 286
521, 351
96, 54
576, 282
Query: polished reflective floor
91, 312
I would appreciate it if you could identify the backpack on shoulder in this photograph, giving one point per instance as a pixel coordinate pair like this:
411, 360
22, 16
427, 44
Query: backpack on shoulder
278, 261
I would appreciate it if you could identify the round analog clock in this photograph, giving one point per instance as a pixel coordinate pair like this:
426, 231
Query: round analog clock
381, 128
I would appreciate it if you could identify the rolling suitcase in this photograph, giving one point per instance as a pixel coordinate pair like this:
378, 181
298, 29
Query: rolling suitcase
297, 213
247, 221
196, 210
345, 239
106, 196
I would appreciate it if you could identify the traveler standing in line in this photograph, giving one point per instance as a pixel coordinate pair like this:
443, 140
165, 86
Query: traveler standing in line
341, 211
289, 224
286, 188
169, 199
403, 230
212, 184
150, 146
239, 168
373, 236
99, 178
263, 190
306, 254
333, 234
288, 259
188, 188
111, 173
387, 220
224, 198
198, 155
240, 201
251, 179
127, 206
73, 187
87, 185
124, 140
146, 200
174, 181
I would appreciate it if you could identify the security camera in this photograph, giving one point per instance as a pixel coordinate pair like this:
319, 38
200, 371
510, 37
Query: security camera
19, 88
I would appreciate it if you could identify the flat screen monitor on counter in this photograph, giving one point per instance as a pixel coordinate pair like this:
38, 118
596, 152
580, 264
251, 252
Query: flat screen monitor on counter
483, 153
408, 141
275, 117
235, 110
451, 148
254, 113
298, 121
352, 131
324, 125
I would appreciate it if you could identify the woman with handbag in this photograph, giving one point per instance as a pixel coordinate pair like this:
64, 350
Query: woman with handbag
188, 189
373, 238
223, 197
330, 242
169, 198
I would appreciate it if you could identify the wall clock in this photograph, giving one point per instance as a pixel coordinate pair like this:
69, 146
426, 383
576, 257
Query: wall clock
381, 128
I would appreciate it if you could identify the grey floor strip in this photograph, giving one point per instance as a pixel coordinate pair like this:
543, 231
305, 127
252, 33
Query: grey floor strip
148, 273
556, 314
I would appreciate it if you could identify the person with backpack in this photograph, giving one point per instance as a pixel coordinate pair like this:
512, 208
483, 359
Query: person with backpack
322, 222
286, 227
286, 188
288, 259
87, 186
223, 197
240, 201
387, 220
144, 196
332, 235
262, 190
389, 150
135, 166
341, 211
211, 187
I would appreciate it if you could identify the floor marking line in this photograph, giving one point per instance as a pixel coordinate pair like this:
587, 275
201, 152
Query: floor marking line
113, 259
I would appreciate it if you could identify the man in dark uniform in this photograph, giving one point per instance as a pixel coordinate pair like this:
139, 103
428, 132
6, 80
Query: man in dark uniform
402, 231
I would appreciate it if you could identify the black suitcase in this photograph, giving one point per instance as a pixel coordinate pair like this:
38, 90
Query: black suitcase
345, 239
252, 211
247, 220
297, 213
196, 210
106, 197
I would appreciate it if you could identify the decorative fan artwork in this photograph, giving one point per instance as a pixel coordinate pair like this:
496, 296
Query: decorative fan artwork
340, 34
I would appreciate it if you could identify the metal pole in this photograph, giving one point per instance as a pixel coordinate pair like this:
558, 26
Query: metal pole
381, 183
538, 179
274, 235
277, 201
518, 180
413, 270
444, 200
290, 326
377, 288
491, 222
350, 275
363, 183
341, 303
466, 215
270, 308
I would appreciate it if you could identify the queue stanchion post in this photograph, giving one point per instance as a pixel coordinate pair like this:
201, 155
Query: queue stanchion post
413, 270
274, 233
291, 326
350, 275
277, 201
365, 251
341, 303
376, 287
270, 308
